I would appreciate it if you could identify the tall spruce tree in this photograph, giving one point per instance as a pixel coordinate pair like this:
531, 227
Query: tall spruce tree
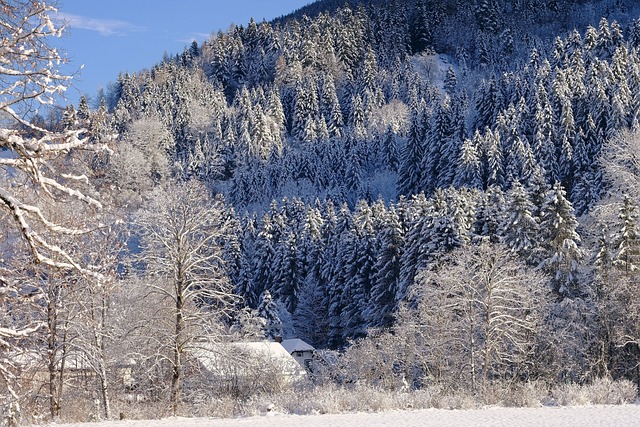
562, 252
384, 289
520, 230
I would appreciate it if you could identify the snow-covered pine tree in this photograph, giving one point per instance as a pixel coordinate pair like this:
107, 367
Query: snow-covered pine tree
384, 289
469, 172
410, 174
268, 309
416, 217
360, 262
520, 229
288, 273
495, 159
562, 252
336, 274
489, 214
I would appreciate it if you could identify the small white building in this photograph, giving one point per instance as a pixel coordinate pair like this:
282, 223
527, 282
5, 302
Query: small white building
244, 361
301, 351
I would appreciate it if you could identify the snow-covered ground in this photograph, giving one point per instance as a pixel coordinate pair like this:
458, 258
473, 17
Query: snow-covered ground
623, 415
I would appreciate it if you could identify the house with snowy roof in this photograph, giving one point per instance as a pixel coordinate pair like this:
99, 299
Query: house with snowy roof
248, 361
302, 352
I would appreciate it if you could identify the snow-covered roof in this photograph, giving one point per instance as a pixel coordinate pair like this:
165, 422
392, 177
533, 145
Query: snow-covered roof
217, 359
296, 344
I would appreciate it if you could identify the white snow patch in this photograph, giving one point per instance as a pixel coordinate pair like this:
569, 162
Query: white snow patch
605, 415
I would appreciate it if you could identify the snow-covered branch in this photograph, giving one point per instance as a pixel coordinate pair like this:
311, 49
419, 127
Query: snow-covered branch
30, 77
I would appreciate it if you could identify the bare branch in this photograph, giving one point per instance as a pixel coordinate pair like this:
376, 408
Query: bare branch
28, 68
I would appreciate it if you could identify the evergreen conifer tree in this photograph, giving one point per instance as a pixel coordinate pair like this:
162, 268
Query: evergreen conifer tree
384, 289
268, 310
562, 253
520, 231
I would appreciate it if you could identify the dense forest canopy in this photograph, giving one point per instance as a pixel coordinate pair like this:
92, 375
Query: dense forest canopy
362, 154
359, 144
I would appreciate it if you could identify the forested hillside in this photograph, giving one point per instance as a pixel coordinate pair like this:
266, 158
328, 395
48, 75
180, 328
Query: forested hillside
359, 145
456, 176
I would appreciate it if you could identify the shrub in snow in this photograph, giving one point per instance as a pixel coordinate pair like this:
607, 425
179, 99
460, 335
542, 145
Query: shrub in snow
602, 391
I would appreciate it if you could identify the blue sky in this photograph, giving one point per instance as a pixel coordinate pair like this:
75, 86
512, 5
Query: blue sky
106, 37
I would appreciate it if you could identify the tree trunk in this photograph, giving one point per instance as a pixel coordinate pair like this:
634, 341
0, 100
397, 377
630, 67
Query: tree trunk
102, 363
488, 336
177, 350
104, 391
472, 345
52, 351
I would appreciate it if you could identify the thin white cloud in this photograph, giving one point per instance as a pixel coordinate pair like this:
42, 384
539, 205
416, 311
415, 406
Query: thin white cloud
106, 27
197, 37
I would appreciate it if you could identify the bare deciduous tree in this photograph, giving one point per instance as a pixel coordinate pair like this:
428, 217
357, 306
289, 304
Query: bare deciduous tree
17, 326
38, 169
618, 299
182, 233
31, 79
480, 311
620, 160
140, 161
91, 329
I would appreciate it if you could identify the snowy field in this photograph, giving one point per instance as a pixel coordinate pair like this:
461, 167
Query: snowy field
623, 415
